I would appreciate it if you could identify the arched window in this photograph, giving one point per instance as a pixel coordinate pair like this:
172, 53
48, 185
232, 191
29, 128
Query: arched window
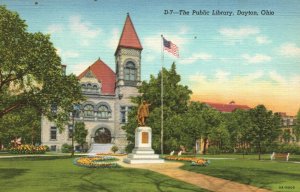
89, 86
88, 110
130, 71
95, 88
83, 87
103, 112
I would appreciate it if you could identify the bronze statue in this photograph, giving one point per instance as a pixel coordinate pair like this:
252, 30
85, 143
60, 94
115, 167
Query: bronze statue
143, 113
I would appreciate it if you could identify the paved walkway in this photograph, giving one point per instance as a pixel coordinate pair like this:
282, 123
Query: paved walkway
172, 169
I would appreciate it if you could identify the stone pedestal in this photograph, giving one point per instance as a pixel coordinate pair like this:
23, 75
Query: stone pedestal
143, 152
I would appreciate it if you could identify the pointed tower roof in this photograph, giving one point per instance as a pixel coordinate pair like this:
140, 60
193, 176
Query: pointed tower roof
104, 75
129, 37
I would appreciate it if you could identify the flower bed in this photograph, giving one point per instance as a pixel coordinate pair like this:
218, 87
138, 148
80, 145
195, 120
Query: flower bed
195, 161
28, 149
96, 162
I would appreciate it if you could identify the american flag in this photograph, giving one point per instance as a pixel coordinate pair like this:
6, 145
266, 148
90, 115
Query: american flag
171, 47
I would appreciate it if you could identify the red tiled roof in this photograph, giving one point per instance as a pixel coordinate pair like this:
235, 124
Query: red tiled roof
104, 74
129, 37
227, 107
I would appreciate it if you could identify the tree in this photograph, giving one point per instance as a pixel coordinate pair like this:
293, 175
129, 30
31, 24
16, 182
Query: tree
238, 124
25, 123
286, 136
114, 148
265, 128
31, 74
296, 128
194, 124
212, 120
176, 98
80, 133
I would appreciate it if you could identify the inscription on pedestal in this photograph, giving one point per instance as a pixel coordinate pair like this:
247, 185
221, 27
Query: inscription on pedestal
145, 137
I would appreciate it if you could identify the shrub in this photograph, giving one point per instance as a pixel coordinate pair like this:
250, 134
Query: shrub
213, 150
288, 148
114, 148
66, 148
28, 149
47, 147
129, 148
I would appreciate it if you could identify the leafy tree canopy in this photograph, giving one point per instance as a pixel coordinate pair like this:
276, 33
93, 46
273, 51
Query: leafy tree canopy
31, 72
25, 123
80, 133
297, 126
176, 98
265, 128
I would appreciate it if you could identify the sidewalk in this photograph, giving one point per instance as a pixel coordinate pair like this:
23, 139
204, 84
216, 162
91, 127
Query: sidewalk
172, 169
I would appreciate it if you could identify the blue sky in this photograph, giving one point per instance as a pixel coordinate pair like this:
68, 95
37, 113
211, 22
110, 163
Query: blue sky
249, 59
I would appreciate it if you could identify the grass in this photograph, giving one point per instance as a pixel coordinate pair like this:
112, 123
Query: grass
275, 175
59, 174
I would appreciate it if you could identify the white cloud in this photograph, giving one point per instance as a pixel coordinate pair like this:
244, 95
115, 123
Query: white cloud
84, 30
235, 35
198, 77
252, 76
79, 67
258, 58
277, 77
58, 51
149, 58
290, 50
263, 40
67, 54
152, 43
70, 54
295, 81
222, 75
54, 28
114, 40
196, 57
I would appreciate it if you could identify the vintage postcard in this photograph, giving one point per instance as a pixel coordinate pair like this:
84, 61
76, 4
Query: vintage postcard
138, 95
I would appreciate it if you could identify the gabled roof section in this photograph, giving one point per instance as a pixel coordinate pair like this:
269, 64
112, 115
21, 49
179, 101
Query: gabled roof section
129, 37
104, 74
227, 107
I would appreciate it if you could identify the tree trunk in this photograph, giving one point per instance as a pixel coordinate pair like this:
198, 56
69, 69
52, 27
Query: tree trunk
243, 147
259, 151
204, 147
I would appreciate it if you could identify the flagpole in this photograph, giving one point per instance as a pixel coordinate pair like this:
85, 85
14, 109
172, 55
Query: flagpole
162, 99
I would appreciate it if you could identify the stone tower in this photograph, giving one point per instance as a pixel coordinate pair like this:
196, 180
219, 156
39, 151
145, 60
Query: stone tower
128, 58
128, 76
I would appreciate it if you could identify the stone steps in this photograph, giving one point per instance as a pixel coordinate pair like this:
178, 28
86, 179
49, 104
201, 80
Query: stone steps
100, 148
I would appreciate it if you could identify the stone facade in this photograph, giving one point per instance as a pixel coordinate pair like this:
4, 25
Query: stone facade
108, 96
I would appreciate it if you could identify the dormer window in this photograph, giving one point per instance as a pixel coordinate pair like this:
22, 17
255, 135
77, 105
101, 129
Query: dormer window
95, 88
89, 86
130, 71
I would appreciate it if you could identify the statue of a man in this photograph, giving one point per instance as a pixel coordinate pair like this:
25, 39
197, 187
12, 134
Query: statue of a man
143, 113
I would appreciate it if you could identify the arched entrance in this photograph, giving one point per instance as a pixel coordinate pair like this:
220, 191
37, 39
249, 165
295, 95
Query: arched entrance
102, 135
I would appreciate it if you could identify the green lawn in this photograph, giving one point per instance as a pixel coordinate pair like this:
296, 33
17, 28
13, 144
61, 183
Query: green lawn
59, 174
240, 156
252, 156
275, 175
